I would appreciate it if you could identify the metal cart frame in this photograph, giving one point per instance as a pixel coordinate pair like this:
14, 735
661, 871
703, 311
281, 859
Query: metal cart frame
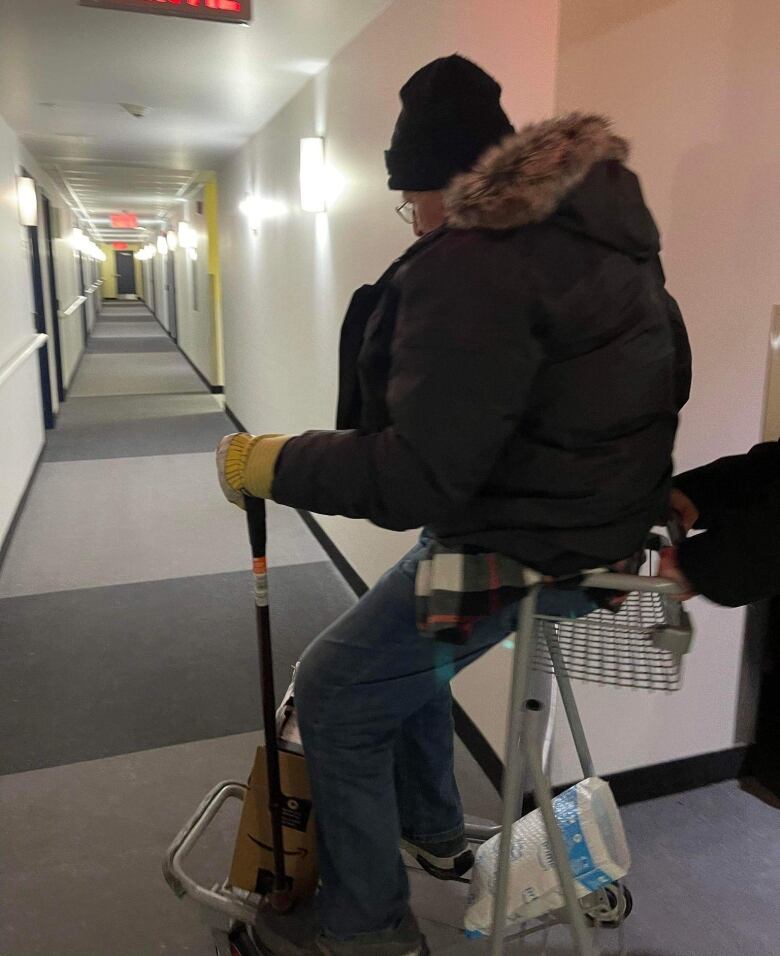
652, 632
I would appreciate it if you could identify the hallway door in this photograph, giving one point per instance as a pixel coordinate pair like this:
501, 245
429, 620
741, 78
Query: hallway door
55, 302
125, 274
39, 317
171, 290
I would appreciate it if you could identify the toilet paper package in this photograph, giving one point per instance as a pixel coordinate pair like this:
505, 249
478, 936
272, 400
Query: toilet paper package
595, 843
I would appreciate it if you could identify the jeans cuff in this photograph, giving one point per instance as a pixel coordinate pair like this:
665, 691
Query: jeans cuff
432, 839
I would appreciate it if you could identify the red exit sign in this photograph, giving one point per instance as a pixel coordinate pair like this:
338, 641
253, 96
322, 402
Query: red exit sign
224, 11
124, 220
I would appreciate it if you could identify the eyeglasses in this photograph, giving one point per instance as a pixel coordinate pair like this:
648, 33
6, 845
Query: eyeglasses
406, 212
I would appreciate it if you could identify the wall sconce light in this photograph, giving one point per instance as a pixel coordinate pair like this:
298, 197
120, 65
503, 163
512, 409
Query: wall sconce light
162, 245
27, 200
256, 209
314, 185
193, 253
173, 240
184, 234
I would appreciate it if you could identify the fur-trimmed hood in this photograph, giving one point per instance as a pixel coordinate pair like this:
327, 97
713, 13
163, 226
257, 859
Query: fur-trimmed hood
570, 167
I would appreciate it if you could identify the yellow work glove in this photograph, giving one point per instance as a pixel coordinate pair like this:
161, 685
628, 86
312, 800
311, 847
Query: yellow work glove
246, 463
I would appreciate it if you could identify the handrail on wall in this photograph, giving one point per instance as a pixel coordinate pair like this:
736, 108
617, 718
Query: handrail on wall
8, 369
74, 305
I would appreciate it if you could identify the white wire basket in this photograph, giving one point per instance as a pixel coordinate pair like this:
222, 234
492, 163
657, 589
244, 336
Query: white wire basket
640, 646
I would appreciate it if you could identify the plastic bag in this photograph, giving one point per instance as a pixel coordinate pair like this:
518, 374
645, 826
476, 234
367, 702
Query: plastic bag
595, 842
287, 731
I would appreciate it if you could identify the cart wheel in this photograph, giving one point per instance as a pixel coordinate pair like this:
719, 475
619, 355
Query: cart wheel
241, 943
613, 908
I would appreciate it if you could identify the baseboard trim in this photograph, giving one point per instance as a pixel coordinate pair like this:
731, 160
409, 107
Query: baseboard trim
234, 418
214, 389
628, 786
6, 543
677, 776
343, 566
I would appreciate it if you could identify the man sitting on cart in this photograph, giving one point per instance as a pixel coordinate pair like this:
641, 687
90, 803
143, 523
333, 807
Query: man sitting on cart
511, 385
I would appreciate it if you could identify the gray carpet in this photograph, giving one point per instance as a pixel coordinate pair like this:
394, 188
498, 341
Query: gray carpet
82, 844
106, 671
117, 344
123, 520
114, 410
174, 435
134, 374
130, 329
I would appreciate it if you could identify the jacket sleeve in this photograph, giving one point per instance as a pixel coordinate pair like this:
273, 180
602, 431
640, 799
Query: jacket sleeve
464, 356
730, 482
737, 561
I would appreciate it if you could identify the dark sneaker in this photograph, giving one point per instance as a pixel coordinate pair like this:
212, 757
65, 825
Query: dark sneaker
286, 934
445, 861
404, 940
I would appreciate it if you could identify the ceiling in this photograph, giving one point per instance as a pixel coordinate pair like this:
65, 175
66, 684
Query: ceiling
66, 70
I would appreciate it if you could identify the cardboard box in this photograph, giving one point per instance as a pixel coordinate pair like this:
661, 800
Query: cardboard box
253, 861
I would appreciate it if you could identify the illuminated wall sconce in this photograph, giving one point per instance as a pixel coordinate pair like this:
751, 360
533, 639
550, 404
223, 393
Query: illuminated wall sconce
184, 231
162, 245
27, 200
314, 179
192, 252
172, 240
188, 237
256, 209
146, 253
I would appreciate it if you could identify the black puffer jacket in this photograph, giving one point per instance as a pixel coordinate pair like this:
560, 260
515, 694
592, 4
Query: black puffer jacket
737, 560
519, 373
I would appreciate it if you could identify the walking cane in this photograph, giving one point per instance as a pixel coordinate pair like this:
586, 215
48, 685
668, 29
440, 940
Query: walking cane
280, 897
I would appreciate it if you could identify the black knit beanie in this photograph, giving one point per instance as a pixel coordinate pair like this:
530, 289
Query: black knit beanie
451, 113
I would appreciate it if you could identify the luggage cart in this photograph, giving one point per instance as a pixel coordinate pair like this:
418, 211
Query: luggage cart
640, 646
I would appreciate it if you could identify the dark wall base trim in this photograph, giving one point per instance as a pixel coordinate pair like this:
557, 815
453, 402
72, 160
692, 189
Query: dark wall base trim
214, 389
236, 421
343, 566
6, 544
628, 786
677, 776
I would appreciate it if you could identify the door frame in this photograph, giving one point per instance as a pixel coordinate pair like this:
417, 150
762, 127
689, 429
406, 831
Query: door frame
83, 307
39, 320
172, 300
55, 302
123, 257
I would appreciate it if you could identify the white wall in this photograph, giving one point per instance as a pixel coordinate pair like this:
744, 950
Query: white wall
694, 85
194, 306
21, 423
193, 296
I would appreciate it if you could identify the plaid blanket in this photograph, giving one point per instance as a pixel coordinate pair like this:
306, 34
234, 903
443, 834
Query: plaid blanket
455, 588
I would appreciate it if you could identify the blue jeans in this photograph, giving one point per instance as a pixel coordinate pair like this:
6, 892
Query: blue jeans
375, 711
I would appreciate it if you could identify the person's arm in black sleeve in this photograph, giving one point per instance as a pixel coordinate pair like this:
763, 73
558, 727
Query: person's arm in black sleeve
464, 357
737, 561
729, 482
